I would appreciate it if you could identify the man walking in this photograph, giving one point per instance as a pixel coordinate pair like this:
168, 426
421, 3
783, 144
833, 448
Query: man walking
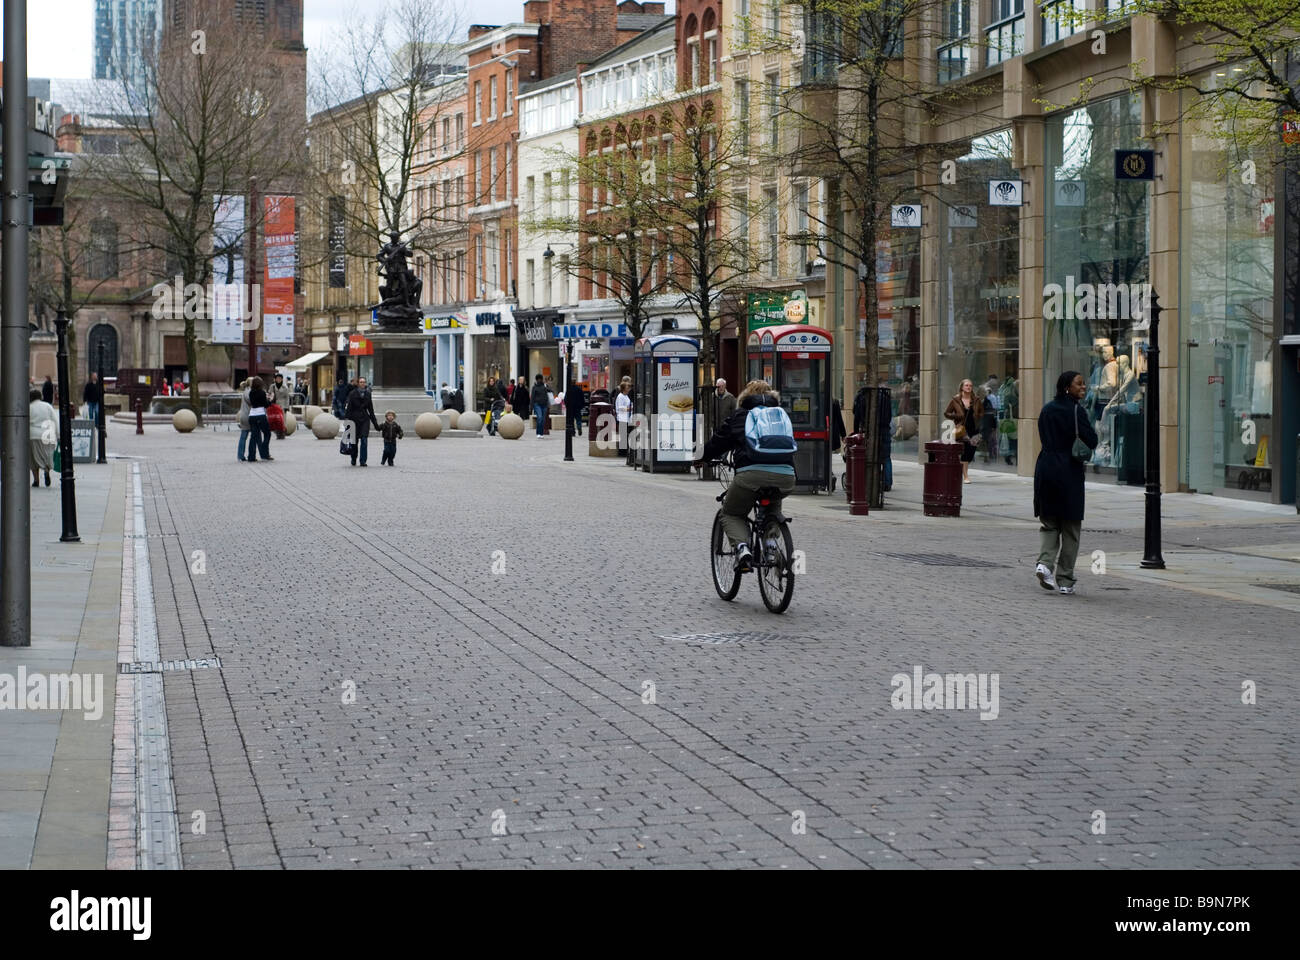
93, 396
724, 405
340, 398
47, 390
574, 401
540, 399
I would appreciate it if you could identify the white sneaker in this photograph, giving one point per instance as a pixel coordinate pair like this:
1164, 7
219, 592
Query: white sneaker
1067, 591
1045, 577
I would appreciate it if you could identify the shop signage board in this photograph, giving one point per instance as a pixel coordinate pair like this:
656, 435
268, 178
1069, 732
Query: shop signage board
534, 329
588, 331
444, 323
359, 346
804, 342
1069, 193
83, 441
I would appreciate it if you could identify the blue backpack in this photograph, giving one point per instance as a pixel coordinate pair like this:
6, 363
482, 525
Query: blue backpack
769, 435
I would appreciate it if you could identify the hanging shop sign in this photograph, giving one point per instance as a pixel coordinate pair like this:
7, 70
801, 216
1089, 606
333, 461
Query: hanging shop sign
359, 346
455, 322
1006, 193
905, 215
1135, 164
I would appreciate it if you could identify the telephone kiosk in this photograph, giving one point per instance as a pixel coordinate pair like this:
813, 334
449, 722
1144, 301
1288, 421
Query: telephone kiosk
796, 360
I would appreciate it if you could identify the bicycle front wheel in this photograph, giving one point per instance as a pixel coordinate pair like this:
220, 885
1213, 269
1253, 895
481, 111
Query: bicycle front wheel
726, 578
776, 569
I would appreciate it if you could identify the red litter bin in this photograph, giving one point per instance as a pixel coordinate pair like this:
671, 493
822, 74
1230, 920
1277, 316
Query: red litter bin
942, 489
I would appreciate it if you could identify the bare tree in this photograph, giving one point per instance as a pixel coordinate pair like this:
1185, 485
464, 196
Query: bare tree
384, 96
859, 119
212, 111
617, 217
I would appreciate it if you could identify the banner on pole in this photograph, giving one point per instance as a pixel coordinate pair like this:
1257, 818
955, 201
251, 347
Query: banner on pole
277, 285
229, 299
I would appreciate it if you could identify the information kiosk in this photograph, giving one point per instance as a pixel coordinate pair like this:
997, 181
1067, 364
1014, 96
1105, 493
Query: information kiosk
796, 360
664, 414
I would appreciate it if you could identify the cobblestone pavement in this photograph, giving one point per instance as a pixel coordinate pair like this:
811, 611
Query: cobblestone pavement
387, 700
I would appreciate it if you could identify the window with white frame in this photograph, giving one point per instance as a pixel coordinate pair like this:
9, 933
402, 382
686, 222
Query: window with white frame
772, 82
564, 278
546, 280
492, 98
493, 184
493, 276
546, 195
801, 222
742, 117
530, 196
510, 92
478, 101
772, 238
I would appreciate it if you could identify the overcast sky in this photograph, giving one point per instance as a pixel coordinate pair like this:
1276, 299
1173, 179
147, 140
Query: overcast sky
60, 33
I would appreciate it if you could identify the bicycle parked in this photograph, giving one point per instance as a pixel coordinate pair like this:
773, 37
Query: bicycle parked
771, 548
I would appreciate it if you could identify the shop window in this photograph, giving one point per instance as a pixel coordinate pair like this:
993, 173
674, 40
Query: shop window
1096, 276
979, 297
1228, 433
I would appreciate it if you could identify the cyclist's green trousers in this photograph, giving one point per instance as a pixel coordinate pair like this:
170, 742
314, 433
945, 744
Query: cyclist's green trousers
740, 499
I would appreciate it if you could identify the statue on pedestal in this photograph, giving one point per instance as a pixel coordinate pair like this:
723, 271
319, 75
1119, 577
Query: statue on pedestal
399, 308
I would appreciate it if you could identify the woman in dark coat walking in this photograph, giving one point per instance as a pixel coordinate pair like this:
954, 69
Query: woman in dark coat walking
361, 411
1058, 482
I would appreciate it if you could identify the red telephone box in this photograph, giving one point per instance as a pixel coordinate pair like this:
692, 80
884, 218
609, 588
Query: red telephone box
796, 360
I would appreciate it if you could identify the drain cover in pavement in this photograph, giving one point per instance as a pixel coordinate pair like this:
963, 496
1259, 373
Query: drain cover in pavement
714, 639
159, 666
1288, 587
942, 560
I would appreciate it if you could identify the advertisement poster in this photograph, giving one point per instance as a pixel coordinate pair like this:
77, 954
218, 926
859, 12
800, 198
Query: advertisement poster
676, 427
229, 299
277, 285
338, 244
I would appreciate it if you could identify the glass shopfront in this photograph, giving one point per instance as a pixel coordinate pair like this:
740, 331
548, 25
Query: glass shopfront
898, 276
1226, 424
979, 295
1096, 268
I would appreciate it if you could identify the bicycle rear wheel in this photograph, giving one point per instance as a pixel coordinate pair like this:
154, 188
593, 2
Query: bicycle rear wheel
776, 569
726, 578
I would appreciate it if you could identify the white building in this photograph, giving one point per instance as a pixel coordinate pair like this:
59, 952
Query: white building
548, 141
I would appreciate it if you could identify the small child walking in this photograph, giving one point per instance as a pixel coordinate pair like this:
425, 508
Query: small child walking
392, 433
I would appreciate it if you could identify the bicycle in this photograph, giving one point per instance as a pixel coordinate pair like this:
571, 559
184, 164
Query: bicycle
770, 544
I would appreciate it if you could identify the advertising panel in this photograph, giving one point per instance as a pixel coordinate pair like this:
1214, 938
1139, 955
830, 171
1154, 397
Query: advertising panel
676, 388
229, 298
277, 285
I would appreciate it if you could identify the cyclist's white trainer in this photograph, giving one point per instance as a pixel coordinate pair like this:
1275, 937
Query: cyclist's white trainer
744, 559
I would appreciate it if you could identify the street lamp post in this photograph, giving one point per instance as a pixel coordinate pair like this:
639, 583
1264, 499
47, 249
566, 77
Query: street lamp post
99, 407
1151, 558
67, 481
15, 361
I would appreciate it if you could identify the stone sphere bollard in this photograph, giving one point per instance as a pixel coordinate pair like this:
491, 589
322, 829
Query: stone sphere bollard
184, 420
290, 424
511, 426
453, 418
428, 425
310, 413
325, 426
469, 420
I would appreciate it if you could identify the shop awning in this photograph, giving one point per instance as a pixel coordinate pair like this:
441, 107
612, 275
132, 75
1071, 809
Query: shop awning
305, 361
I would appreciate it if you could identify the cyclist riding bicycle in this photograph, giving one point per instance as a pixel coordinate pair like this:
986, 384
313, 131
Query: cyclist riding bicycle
770, 471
